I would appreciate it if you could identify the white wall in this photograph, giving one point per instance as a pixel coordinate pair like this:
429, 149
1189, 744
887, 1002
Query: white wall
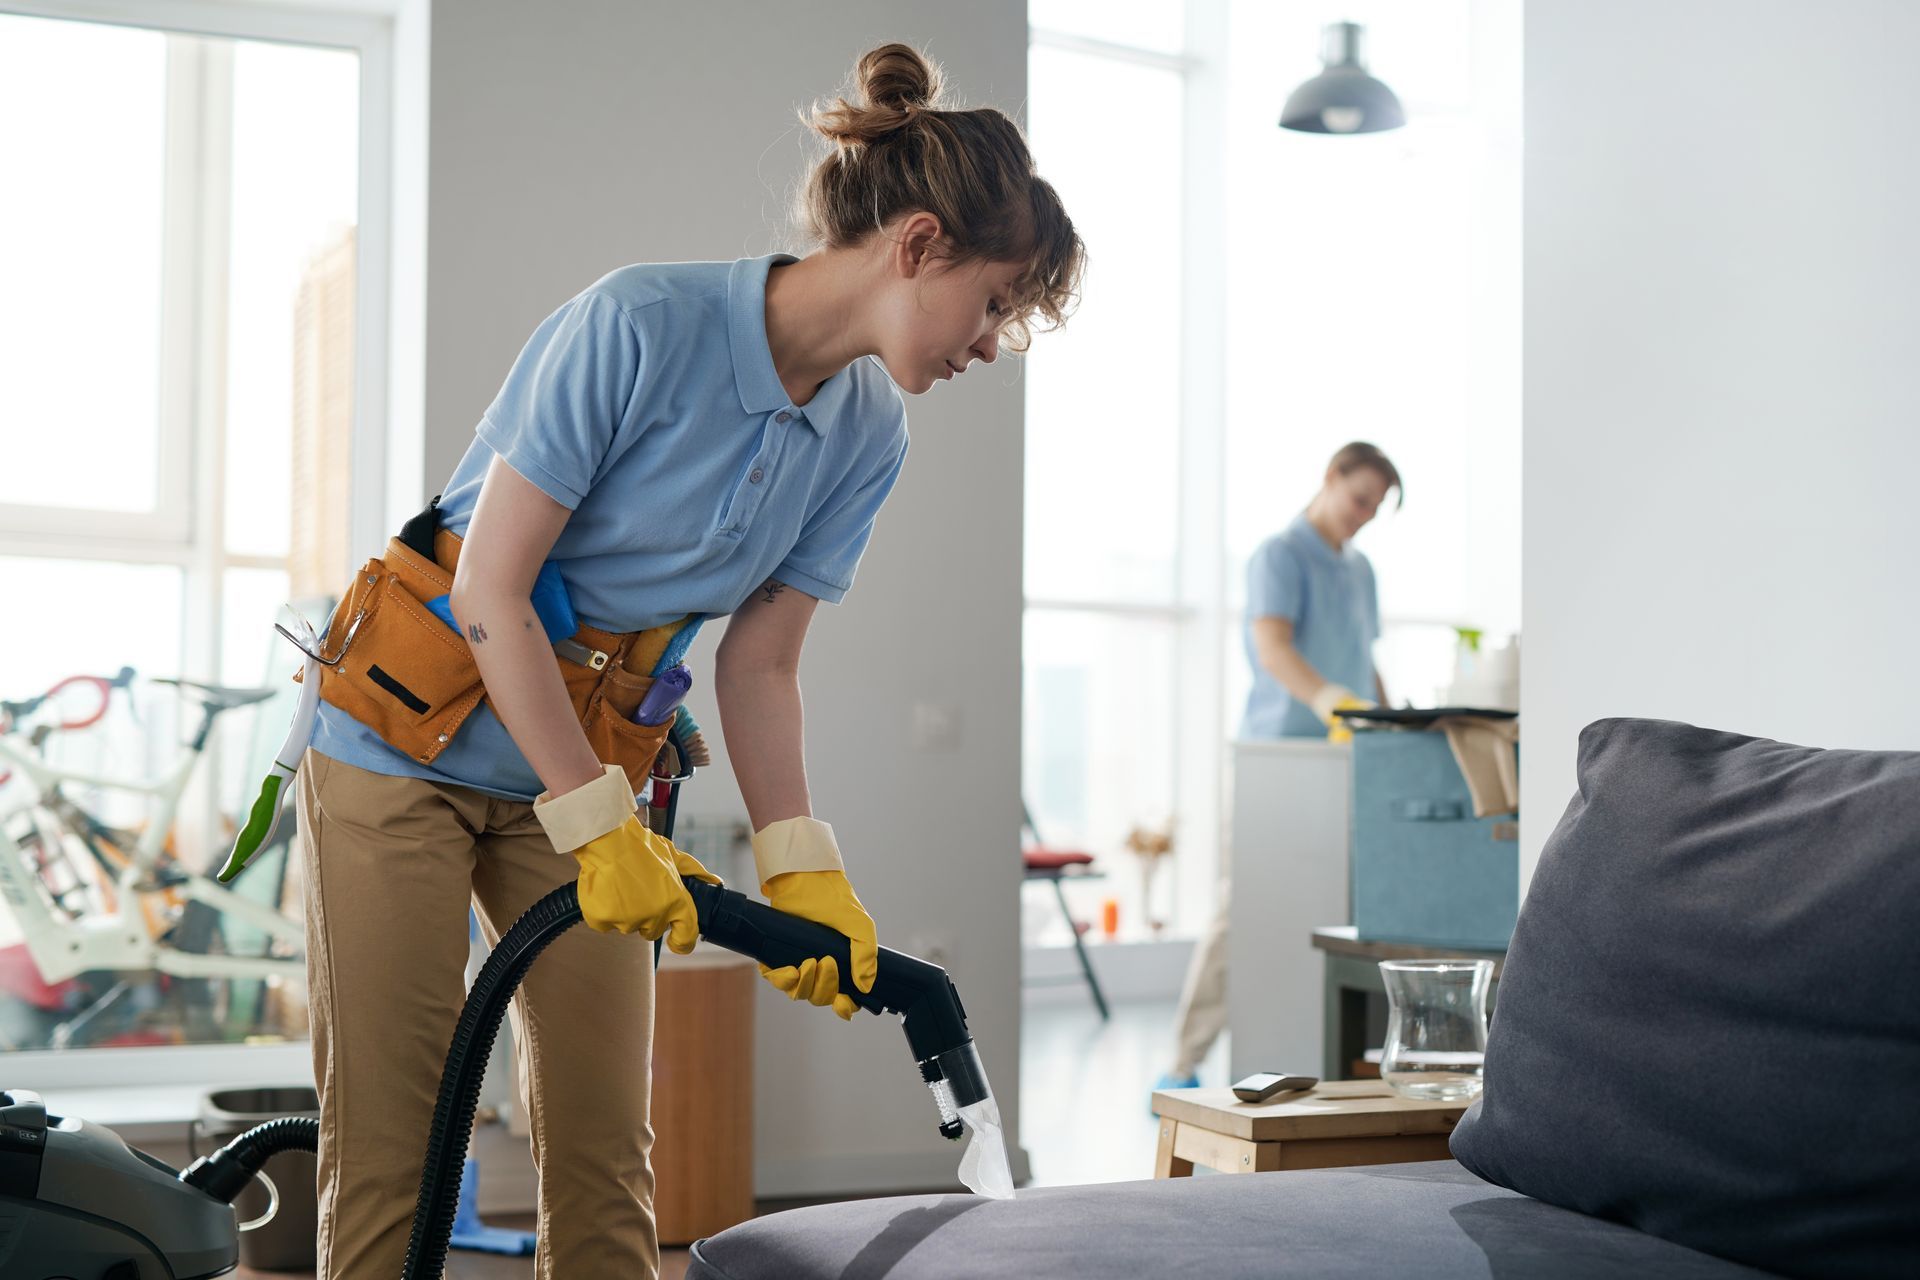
1722, 413
565, 140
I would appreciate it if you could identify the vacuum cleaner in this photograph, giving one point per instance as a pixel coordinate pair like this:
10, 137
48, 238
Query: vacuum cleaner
77, 1203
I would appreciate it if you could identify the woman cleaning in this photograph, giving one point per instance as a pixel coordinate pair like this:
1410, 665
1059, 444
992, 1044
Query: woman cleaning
1313, 613
677, 442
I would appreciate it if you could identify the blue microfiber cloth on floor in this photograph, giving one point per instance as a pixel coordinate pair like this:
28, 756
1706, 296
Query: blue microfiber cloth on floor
471, 1233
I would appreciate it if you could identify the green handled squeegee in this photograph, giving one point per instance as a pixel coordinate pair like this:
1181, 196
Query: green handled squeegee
264, 819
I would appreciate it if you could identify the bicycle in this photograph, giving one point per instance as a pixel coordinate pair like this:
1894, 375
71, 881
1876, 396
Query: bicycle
106, 922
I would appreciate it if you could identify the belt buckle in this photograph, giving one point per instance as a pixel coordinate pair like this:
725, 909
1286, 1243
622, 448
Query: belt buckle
574, 651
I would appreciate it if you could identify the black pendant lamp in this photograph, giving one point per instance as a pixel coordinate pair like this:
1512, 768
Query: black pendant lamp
1343, 98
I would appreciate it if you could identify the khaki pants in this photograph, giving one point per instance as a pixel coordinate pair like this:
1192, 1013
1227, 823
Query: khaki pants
391, 866
1203, 1002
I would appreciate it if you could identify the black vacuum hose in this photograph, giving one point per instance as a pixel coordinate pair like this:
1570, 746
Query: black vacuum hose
479, 1025
225, 1173
922, 993
466, 1066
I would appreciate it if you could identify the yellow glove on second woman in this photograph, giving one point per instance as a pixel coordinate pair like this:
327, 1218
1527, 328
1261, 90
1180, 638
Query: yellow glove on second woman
800, 873
629, 876
1337, 697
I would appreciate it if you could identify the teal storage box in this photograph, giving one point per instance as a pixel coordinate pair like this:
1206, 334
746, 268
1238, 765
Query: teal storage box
1425, 869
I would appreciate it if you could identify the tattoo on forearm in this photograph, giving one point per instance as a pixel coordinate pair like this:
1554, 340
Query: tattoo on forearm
771, 588
476, 633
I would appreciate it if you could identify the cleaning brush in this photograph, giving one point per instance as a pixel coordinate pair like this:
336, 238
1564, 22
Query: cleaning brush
691, 743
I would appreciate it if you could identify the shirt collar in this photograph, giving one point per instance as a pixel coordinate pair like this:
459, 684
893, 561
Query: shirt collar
1306, 534
753, 373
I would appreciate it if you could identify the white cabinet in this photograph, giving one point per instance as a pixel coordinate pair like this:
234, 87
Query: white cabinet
1291, 803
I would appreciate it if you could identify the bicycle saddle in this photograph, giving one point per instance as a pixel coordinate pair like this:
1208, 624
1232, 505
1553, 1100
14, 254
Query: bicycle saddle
219, 696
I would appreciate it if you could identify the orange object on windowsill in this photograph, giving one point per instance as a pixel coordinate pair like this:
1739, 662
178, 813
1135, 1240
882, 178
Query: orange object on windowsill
1110, 918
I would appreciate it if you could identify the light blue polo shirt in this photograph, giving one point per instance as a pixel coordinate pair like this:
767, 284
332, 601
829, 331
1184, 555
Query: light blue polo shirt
649, 406
1334, 605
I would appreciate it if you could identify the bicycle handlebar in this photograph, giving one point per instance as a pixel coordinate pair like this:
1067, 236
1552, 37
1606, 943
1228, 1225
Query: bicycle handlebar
11, 711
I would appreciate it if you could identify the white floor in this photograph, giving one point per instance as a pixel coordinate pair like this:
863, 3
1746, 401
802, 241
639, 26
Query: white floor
1085, 1084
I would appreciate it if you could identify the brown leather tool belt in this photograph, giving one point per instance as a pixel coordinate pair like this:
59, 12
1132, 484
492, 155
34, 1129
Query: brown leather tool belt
399, 669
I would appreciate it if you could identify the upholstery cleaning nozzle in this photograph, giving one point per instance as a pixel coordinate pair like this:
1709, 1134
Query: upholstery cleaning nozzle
922, 994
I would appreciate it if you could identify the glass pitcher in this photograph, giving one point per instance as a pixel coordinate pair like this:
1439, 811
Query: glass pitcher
1437, 1027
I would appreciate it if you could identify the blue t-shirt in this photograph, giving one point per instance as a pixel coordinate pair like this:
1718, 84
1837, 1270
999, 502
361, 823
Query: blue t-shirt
649, 406
1331, 599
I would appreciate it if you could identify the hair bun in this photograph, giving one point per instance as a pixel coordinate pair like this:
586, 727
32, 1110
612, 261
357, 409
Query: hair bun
899, 77
894, 82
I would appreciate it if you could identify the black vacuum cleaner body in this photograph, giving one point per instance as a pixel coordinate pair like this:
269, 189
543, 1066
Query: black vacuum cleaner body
77, 1202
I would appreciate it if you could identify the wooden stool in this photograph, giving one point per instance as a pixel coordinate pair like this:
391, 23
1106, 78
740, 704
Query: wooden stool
1332, 1125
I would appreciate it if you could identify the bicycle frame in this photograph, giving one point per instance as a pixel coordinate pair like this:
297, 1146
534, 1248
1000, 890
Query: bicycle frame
62, 948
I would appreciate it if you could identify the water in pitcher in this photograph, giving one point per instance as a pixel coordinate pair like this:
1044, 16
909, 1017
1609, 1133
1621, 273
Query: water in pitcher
1435, 1075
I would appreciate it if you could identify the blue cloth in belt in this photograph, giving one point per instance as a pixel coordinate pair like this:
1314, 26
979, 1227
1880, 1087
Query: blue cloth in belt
551, 605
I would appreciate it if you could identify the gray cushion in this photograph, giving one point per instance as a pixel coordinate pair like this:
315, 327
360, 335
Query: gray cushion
1709, 1020
1434, 1221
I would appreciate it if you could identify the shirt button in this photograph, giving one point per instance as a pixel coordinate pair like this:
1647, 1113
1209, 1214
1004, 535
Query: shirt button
755, 478
783, 416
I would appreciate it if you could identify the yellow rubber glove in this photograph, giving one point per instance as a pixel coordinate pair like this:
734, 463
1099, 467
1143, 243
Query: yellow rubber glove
1337, 697
629, 877
630, 883
824, 897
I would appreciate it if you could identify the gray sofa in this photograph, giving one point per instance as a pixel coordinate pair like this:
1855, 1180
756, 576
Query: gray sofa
1702, 1063
1433, 1221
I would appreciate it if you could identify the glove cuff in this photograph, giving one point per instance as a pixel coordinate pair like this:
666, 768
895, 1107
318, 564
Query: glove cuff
795, 844
588, 812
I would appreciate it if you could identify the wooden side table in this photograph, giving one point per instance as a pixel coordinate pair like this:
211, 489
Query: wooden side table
1345, 1122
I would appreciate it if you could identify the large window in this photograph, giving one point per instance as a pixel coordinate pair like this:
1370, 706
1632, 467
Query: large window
1108, 618
176, 396
1375, 296
1255, 299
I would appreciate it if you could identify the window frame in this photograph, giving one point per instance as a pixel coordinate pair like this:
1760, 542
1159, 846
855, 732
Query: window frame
188, 528
187, 179
1197, 611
